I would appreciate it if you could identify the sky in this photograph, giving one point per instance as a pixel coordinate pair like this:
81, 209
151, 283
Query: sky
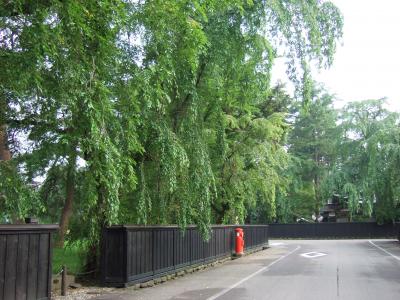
367, 60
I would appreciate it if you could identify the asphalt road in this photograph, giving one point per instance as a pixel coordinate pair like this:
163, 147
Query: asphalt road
300, 269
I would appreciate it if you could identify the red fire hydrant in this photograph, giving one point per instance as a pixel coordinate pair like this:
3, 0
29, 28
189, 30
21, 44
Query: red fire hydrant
239, 245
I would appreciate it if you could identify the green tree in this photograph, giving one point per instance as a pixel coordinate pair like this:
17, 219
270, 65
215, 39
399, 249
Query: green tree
60, 61
313, 142
368, 158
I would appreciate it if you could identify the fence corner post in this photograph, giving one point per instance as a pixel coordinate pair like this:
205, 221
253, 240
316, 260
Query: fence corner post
64, 281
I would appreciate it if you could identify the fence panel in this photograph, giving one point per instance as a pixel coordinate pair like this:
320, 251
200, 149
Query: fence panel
112, 250
163, 250
139, 254
182, 253
25, 261
197, 247
255, 235
133, 254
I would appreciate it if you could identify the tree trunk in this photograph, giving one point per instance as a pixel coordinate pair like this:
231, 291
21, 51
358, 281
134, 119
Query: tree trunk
5, 153
69, 199
316, 180
93, 255
317, 197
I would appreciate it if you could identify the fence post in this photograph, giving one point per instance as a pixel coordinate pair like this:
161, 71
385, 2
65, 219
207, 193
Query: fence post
64, 281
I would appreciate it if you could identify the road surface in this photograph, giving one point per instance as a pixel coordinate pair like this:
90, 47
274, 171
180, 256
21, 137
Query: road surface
297, 269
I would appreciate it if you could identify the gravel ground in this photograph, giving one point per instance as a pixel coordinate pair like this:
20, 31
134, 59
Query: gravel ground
82, 293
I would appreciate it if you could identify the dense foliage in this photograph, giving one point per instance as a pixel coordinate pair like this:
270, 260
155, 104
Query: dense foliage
151, 111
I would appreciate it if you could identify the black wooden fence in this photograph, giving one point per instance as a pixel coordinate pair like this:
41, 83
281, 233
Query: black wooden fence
334, 230
133, 254
25, 261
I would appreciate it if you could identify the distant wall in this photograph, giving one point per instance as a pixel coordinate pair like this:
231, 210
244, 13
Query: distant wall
334, 230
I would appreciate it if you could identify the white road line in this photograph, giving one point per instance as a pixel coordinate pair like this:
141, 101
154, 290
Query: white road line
224, 291
276, 244
392, 255
313, 254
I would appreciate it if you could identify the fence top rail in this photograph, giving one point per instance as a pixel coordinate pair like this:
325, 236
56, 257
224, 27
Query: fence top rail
334, 223
251, 225
28, 227
144, 227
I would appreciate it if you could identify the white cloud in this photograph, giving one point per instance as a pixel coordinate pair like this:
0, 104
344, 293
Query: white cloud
367, 65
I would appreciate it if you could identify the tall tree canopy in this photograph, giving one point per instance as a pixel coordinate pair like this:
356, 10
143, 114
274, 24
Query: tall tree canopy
368, 159
151, 111
312, 144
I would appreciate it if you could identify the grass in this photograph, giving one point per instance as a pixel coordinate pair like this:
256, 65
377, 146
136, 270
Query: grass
70, 256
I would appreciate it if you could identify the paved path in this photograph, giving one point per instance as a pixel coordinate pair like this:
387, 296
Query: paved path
300, 269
